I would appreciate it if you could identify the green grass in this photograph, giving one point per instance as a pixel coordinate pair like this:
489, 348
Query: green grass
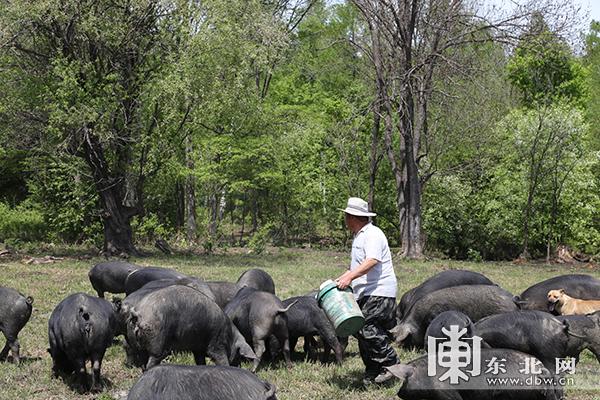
294, 271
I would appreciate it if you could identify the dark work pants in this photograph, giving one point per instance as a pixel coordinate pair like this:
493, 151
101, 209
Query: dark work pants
373, 341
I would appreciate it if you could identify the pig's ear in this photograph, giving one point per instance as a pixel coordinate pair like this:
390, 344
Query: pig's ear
401, 371
400, 333
520, 303
246, 351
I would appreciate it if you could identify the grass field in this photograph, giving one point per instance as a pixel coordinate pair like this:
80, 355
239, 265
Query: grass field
294, 271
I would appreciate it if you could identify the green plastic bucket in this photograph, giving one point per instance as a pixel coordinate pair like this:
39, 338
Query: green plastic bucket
341, 308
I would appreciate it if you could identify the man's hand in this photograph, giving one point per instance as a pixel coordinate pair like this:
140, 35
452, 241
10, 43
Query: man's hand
347, 277
344, 280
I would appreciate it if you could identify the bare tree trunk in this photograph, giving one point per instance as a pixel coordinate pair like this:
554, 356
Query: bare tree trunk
387, 111
179, 205
536, 164
411, 245
398, 103
254, 212
375, 156
232, 225
116, 217
284, 228
213, 205
243, 219
190, 192
526, 217
409, 38
411, 228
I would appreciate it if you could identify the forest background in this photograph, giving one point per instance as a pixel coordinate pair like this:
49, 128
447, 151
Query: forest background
472, 130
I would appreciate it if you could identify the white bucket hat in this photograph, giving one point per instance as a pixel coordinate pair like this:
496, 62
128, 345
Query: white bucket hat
359, 207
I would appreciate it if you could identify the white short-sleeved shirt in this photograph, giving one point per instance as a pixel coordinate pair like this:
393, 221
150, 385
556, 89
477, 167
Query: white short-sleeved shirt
370, 242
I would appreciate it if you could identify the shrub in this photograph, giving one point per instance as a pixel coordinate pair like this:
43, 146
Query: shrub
21, 223
149, 228
258, 241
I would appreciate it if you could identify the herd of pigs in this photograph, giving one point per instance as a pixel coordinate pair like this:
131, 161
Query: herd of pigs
165, 311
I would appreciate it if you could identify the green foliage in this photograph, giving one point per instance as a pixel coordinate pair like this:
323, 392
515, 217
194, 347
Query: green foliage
22, 223
212, 110
543, 68
465, 217
321, 94
447, 216
272, 128
592, 112
13, 186
580, 212
499, 212
548, 155
474, 255
68, 198
464, 223
463, 149
149, 228
259, 240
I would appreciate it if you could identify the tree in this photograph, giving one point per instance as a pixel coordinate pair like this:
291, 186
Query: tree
549, 147
591, 60
463, 148
214, 108
410, 41
545, 73
91, 63
320, 102
542, 67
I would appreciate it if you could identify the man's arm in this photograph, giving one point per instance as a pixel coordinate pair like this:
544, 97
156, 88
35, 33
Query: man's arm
347, 277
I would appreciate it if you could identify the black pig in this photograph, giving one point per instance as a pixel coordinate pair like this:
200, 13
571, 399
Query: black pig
584, 332
258, 315
110, 276
142, 276
577, 285
179, 318
257, 279
541, 334
447, 319
15, 310
415, 384
223, 291
306, 319
444, 279
123, 306
80, 328
475, 301
200, 383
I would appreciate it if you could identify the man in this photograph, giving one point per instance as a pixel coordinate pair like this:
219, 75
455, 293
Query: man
374, 284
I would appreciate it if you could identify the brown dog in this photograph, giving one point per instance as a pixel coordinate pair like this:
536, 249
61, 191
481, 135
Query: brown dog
566, 305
